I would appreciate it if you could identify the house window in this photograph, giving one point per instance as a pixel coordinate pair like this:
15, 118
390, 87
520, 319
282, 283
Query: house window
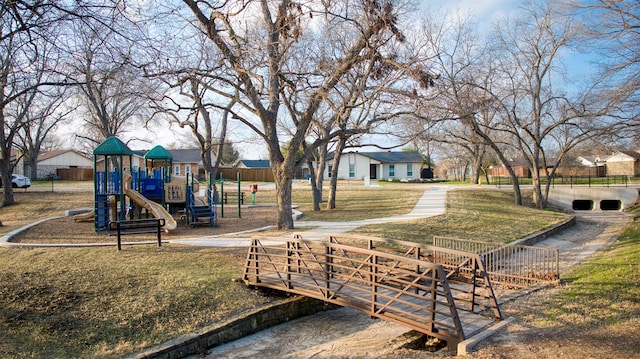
330, 168
352, 171
392, 170
187, 169
409, 170
177, 170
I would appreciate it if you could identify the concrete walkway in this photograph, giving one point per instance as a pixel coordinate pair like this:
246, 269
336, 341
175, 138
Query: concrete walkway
432, 203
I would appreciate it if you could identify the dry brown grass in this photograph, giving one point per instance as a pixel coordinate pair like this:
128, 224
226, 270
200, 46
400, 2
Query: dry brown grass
97, 302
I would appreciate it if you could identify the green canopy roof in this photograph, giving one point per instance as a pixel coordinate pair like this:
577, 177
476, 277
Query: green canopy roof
112, 146
158, 153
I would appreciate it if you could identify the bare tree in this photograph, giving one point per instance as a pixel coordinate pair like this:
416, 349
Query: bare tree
43, 114
115, 96
537, 113
615, 27
27, 63
263, 66
191, 99
456, 53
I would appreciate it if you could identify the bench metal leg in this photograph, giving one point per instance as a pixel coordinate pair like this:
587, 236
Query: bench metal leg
119, 242
159, 235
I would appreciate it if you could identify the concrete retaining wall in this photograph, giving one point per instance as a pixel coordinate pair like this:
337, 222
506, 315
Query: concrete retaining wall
564, 197
235, 328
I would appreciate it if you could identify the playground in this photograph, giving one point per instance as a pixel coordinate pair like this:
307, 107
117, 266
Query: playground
49, 232
142, 197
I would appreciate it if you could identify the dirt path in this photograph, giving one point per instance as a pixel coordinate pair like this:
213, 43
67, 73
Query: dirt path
345, 333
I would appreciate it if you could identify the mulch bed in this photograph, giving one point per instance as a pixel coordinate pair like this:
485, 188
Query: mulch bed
67, 230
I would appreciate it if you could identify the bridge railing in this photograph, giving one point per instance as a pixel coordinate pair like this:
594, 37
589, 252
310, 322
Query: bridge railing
399, 281
508, 264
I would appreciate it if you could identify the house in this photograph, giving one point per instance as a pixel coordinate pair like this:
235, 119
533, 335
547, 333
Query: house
261, 169
253, 164
184, 160
624, 163
64, 164
378, 165
584, 166
520, 168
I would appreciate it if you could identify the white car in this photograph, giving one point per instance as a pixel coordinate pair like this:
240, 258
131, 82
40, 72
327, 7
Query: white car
19, 181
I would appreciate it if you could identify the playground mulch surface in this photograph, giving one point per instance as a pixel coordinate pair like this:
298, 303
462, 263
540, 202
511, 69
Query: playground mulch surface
67, 230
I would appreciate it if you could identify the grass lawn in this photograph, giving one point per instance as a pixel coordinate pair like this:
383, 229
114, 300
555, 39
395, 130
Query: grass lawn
603, 292
475, 214
96, 302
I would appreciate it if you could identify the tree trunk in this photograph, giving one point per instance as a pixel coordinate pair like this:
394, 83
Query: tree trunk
284, 180
33, 168
317, 176
317, 192
331, 204
477, 164
7, 198
539, 200
514, 179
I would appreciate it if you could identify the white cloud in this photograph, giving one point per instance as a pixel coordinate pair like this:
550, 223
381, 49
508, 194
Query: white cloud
486, 12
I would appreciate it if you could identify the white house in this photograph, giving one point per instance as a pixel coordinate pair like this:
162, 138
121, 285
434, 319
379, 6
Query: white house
624, 163
378, 165
51, 161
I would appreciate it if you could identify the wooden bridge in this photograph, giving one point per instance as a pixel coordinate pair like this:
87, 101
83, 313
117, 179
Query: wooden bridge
443, 293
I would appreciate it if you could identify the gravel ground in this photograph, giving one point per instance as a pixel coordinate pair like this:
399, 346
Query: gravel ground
345, 333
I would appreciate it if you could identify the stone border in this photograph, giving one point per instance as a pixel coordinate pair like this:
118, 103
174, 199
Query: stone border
235, 328
545, 233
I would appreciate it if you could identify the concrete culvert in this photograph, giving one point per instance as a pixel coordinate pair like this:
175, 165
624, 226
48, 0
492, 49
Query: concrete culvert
582, 205
610, 205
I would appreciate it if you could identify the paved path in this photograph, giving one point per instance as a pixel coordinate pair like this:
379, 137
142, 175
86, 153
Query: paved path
432, 203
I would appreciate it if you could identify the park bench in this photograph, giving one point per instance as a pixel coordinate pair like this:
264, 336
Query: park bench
138, 226
233, 195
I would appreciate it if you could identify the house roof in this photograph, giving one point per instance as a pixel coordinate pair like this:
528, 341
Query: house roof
395, 157
189, 155
50, 154
631, 154
388, 157
594, 159
255, 163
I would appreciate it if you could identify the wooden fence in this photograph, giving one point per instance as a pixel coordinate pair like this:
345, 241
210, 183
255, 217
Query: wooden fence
75, 174
247, 174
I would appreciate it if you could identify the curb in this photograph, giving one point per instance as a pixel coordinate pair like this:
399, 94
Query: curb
465, 346
234, 328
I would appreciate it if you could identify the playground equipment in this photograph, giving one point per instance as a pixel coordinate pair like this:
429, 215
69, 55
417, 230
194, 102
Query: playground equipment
197, 209
226, 196
113, 188
108, 187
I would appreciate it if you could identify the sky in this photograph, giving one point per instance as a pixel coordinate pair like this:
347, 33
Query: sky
485, 11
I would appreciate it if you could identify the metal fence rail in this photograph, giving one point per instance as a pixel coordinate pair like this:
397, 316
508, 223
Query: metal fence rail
394, 280
508, 264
